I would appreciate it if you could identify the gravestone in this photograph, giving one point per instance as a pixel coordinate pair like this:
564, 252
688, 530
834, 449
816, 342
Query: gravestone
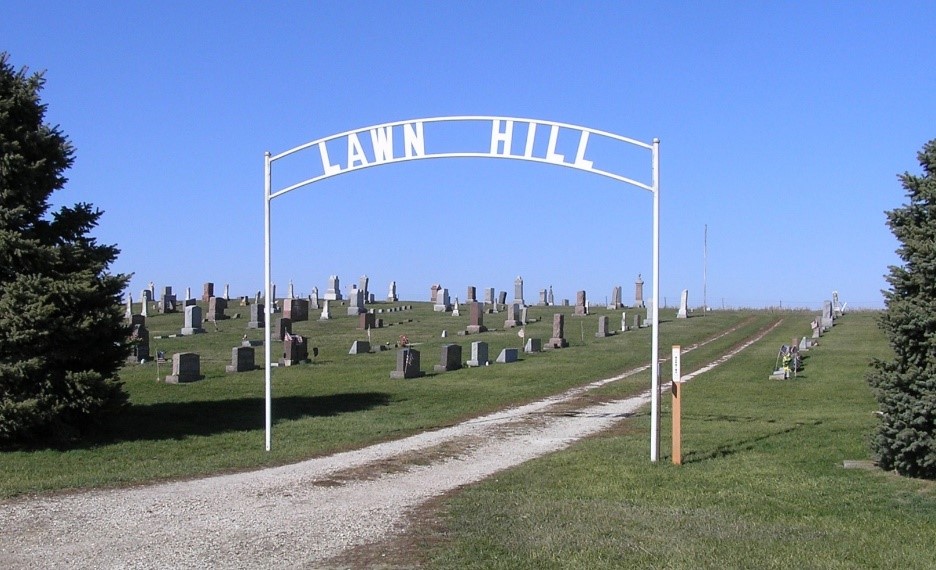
638, 321
359, 347
638, 292
296, 310
507, 355
479, 354
227, 292
616, 299
314, 299
242, 359
186, 367
542, 298
193, 321
357, 302
207, 292
167, 302
826, 320
476, 319
295, 350
836, 305
216, 307
533, 345
518, 291
129, 312
602, 327
363, 284
139, 342
333, 293
407, 365
558, 333
683, 305
433, 292
580, 309
489, 296
256, 317
513, 317
367, 321
326, 314
455, 312
281, 327
442, 304
471, 297
816, 329
290, 290
450, 358
551, 300
624, 326
502, 298
146, 296
392, 294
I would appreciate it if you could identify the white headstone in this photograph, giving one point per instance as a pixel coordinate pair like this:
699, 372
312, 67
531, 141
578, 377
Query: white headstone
325, 313
683, 305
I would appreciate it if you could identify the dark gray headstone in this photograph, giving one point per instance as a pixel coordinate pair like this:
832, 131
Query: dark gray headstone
450, 358
507, 355
193, 320
602, 327
407, 364
186, 367
242, 359
479, 354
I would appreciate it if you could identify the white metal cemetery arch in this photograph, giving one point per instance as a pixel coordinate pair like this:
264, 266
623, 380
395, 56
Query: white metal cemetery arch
383, 151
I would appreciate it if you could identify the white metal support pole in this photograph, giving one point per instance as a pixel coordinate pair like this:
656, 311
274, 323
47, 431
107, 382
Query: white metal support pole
266, 296
655, 344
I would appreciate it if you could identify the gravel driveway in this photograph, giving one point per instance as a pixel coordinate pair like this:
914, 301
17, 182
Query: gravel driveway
298, 515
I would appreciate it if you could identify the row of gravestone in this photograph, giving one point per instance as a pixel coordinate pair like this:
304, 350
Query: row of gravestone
439, 297
186, 366
408, 364
360, 295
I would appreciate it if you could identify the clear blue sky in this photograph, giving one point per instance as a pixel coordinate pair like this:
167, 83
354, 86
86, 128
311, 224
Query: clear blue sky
783, 127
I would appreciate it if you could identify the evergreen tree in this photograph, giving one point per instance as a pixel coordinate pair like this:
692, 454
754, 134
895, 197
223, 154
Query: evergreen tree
62, 335
906, 386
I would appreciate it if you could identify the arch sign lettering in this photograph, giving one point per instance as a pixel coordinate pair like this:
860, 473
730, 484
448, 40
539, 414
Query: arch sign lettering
480, 137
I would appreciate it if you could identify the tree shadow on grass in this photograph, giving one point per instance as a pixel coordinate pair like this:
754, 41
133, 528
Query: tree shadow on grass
744, 444
178, 420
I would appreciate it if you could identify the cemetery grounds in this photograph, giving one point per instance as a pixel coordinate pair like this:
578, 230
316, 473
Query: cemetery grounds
762, 484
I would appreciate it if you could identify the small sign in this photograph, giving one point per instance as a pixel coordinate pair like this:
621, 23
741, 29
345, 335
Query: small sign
677, 373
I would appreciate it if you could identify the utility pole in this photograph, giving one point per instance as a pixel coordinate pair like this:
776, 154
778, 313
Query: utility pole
704, 270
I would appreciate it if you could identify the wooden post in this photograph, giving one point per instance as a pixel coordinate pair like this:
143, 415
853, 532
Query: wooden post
677, 407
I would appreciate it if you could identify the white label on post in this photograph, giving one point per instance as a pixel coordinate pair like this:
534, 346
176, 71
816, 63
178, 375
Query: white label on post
677, 350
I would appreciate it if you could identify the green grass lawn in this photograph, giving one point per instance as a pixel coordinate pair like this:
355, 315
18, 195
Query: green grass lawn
340, 401
762, 484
